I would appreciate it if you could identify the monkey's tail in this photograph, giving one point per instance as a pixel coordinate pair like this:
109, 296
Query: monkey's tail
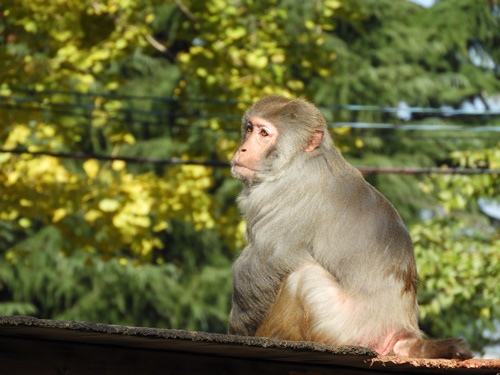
445, 348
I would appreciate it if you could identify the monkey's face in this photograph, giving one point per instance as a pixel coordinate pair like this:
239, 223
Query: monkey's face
258, 140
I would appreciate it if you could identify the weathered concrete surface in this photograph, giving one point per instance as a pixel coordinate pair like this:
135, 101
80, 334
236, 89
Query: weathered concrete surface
29, 345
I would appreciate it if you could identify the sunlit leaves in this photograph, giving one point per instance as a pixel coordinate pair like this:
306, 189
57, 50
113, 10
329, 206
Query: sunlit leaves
121, 211
84, 36
459, 191
254, 44
458, 254
459, 269
73, 46
91, 167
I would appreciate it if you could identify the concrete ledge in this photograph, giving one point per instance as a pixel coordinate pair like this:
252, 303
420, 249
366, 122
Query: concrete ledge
29, 345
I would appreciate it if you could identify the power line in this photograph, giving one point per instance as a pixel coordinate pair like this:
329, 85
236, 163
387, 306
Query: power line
221, 164
423, 127
414, 171
65, 109
444, 111
129, 97
60, 108
129, 159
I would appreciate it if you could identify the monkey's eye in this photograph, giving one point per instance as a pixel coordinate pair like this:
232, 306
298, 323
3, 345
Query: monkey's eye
249, 129
263, 132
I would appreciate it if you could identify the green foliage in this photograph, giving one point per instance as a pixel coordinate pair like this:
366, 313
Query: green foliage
459, 268
403, 52
83, 287
108, 208
458, 254
244, 50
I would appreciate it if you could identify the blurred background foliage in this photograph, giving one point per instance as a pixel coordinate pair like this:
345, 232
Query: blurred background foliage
91, 230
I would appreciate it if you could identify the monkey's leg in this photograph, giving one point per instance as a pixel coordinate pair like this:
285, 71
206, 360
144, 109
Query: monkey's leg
312, 306
288, 318
304, 297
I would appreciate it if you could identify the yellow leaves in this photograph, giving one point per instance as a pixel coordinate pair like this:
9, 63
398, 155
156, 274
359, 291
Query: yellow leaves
141, 206
112, 85
17, 135
122, 137
9, 215
59, 214
323, 72
26, 203
48, 170
99, 118
62, 35
99, 54
203, 220
216, 6
108, 205
226, 148
84, 81
78, 36
309, 24
358, 142
118, 165
92, 215
47, 131
30, 26
344, 130
125, 207
121, 210
278, 58
5, 157
246, 56
112, 105
295, 85
68, 51
115, 210
456, 191
130, 224
5, 90
202, 72
161, 226
123, 261
332, 4
184, 57
24, 223
150, 18
256, 59
141, 221
243, 49
12, 178
485, 312
237, 32
91, 168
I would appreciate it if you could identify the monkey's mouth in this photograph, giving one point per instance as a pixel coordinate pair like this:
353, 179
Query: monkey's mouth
238, 165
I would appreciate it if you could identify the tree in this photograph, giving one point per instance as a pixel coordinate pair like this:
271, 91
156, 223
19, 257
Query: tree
61, 91
457, 253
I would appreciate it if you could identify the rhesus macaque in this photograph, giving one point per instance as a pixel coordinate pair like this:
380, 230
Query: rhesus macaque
328, 258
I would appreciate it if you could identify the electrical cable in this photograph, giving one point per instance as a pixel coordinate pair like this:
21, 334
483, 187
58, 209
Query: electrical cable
222, 164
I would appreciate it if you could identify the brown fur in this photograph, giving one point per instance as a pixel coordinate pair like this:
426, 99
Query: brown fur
288, 318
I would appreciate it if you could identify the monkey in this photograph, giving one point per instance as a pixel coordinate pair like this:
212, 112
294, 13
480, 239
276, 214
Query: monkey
327, 258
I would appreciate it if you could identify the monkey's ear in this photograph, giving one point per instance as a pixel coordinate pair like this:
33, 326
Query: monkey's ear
315, 141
